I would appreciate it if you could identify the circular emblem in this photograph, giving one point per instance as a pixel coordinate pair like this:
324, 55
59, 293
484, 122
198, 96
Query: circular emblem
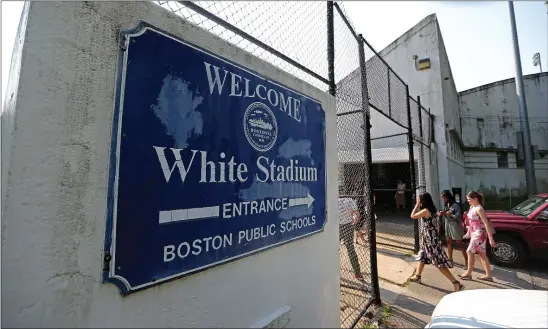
260, 127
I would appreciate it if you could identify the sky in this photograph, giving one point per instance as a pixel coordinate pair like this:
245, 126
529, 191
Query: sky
477, 35
11, 12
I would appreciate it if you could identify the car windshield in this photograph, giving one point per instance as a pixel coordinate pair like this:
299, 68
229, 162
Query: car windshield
528, 206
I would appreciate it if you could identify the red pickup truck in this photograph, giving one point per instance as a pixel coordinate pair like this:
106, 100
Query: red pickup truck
521, 232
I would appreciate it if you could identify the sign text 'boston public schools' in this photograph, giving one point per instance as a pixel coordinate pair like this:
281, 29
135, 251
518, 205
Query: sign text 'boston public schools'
210, 162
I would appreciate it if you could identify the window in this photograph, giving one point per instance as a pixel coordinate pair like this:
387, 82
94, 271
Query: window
528, 206
502, 159
519, 160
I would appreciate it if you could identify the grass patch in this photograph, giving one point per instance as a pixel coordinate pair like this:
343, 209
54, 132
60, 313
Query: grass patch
385, 314
382, 322
370, 325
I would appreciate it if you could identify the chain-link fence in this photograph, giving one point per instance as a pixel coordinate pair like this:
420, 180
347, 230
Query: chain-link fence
359, 279
422, 128
383, 134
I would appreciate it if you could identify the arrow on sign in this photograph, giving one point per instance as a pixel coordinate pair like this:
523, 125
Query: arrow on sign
307, 200
179, 215
168, 216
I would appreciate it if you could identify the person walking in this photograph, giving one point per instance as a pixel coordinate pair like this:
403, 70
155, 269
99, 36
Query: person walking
348, 217
452, 216
431, 250
400, 196
479, 231
362, 224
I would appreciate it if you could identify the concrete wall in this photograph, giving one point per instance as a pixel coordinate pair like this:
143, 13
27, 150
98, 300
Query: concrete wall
490, 114
54, 209
451, 116
424, 41
349, 100
432, 180
8, 109
483, 174
451, 108
350, 133
490, 120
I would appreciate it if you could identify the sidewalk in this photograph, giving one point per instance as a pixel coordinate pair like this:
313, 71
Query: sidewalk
411, 304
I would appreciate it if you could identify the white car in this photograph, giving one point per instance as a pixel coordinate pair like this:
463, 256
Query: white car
492, 308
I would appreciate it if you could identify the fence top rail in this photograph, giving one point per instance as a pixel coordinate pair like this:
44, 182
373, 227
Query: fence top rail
360, 37
422, 107
427, 112
245, 35
346, 21
382, 59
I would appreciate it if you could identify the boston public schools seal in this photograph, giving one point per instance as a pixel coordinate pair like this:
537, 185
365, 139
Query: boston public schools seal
260, 127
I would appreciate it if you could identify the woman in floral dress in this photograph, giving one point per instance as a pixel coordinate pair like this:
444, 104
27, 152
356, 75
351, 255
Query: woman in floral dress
479, 231
431, 250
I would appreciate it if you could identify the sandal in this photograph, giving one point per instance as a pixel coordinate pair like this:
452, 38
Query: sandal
415, 278
461, 286
465, 277
486, 278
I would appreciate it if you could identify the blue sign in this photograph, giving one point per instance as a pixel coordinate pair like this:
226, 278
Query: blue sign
210, 162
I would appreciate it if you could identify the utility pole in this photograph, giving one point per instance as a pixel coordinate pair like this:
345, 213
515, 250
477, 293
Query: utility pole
522, 105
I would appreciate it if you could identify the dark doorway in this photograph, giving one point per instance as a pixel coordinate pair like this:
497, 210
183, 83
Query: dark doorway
384, 181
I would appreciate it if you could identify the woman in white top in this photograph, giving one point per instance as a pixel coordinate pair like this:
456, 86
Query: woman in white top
348, 217
400, 196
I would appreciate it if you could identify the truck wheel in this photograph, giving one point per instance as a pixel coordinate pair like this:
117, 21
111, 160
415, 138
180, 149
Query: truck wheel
509, 251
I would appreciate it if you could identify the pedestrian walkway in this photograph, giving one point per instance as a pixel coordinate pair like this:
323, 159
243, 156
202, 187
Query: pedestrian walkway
411, 304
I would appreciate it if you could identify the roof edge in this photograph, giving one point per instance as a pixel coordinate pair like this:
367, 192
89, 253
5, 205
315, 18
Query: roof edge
409, 33
501, 82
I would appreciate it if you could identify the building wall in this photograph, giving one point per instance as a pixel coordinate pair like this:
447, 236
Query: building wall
490, 120
451, 108
484, 173
490, 113
485, 117
451, 116
424, 41
421, 41
53, 216
350, 133
437, 93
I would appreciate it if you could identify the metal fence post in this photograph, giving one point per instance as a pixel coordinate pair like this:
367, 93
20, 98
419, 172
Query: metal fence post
431, 127
331, 48
422, 173
368, 164
389, 94
419, 108
412, 169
